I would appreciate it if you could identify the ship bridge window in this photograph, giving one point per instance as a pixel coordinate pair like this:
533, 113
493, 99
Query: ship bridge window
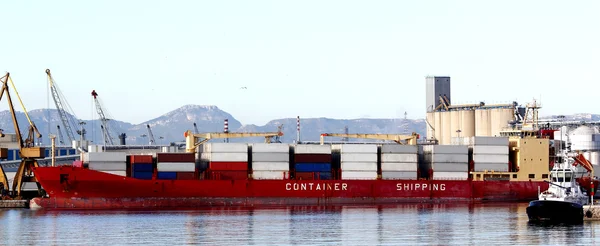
562, 176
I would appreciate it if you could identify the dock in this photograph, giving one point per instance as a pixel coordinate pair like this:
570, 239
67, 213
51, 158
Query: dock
14, 203
591, 212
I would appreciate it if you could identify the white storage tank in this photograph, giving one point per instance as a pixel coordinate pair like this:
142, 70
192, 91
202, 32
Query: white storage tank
430, 123
446, 130
584, 138
467, 123
499, 118
454, 124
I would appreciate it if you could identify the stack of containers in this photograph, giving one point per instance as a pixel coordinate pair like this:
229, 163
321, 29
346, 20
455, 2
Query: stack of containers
180, 166
312, 162
446, 161
141, 166
225, 160
399, 162
270, 161
357, 161
490, 153
108, 162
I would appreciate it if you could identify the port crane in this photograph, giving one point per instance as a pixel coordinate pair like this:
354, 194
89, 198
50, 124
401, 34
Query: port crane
61, 138
105, 131
191, 139
67, 118
150, 135
28, 151
400, 139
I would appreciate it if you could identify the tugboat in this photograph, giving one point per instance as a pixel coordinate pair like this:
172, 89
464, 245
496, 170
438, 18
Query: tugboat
563, 201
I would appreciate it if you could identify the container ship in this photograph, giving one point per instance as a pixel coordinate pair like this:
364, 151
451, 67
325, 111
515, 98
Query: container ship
472, 153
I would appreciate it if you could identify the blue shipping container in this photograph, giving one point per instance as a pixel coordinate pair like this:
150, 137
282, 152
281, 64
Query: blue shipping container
142, 175
62, 152
47, 152
138, 167
72, 151
325, 175
167, 175
313, 167
11, 155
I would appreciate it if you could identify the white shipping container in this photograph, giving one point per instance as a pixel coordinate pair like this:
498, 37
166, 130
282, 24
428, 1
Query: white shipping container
277, 157
497, 167
489, 149
355, 148
358, 175
450, 167
385, 157
359, 157
312, 149
279, 175
496, 141
118, 173
490, 159
456, 158
399, 166
225, 147
104, 157
450, 175
446, 149
175, 166
107, 166
390, 175
225, 157
399, 149
359, 166
271, 166
270, 148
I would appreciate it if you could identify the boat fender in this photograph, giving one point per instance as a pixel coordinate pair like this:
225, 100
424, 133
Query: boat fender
589, 214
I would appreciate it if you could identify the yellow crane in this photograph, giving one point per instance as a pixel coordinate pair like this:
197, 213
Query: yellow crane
400, 139
28, 151
191, 139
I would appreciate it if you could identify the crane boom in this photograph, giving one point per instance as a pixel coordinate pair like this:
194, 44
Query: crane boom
196, 129
400, 139
105, 131
191, 144
58, 102
150, 135
61, 138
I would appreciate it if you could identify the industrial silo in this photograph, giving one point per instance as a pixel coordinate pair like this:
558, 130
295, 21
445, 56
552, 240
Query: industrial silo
437, 116
499, 119
467, 123
455, 124
430, 125
482, 122
446, 130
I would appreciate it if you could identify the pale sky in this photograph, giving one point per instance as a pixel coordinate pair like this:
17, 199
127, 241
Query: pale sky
336, 59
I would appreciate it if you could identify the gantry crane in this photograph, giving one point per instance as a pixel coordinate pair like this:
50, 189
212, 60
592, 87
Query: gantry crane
191, 139
400, 139
28, 151
66, 117
105, 130
150, 135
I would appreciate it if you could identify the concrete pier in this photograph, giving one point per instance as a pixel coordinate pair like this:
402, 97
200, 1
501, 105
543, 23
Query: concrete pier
14, 203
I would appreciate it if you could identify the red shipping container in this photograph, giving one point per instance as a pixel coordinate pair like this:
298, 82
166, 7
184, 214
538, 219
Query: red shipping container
186, 175
227, 175
140, 158
78, 163
175, 157
313, 158
228, 166
305, 176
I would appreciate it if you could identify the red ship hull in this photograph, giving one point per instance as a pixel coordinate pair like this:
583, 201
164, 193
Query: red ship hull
78, 188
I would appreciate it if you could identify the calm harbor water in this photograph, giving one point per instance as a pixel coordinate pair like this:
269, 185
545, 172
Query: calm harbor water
437, 224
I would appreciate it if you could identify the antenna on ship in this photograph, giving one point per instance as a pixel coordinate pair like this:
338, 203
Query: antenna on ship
226, 129
298, 129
